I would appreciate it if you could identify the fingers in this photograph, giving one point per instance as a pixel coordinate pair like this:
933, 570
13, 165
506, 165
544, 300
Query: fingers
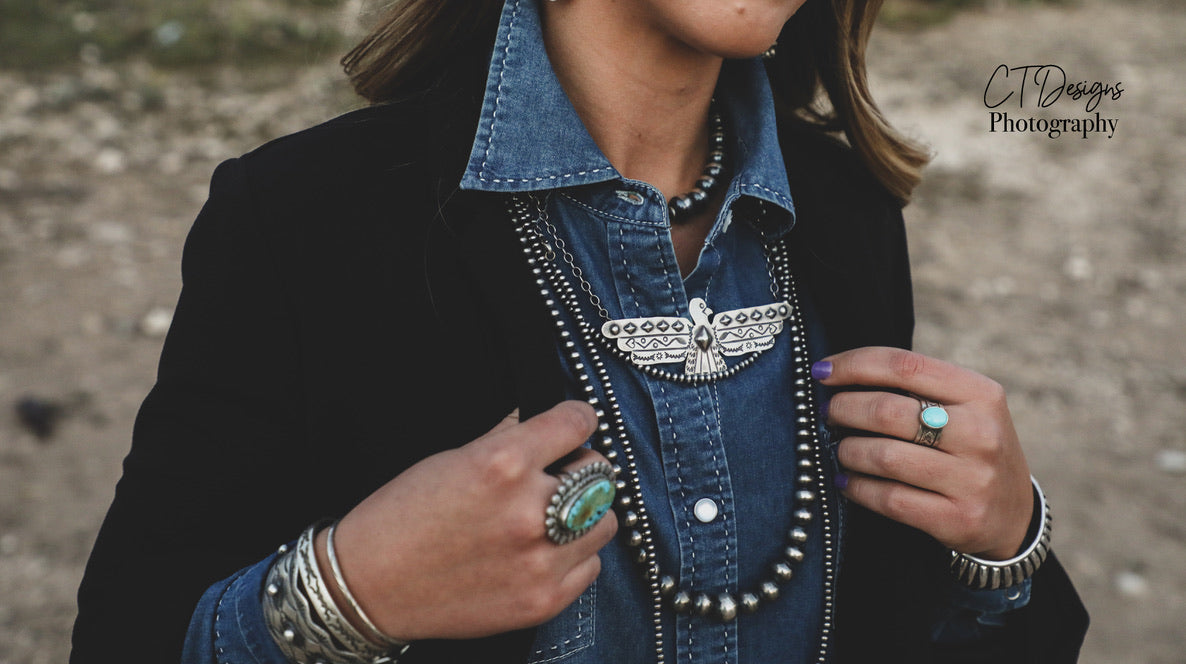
537, 450
556, 432
544, 601
512, 449
971, 491
579, 578
900, 461
457, 545
897, 416
985, 517
893, 415
974, 431
926, 510
905, 370
529, 450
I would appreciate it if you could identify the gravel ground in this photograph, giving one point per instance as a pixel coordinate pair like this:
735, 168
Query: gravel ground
1055, 265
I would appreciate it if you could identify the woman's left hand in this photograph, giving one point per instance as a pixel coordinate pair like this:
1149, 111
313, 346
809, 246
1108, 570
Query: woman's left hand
971, 492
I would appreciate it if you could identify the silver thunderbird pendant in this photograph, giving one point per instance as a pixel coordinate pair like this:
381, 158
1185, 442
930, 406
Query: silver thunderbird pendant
700, 343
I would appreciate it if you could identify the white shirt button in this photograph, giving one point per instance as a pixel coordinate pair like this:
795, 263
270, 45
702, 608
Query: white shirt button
705, 510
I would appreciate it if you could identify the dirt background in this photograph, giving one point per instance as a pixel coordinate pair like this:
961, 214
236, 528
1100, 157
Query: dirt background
1057, 266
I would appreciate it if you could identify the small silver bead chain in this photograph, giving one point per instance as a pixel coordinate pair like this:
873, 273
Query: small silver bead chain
638, 531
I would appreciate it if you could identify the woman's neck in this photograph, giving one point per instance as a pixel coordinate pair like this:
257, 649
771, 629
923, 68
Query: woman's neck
642, 95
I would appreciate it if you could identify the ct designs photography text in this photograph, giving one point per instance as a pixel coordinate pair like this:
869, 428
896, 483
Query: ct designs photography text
1031, 92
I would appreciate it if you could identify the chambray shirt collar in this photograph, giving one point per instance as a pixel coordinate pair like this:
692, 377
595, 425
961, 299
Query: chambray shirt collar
530, 137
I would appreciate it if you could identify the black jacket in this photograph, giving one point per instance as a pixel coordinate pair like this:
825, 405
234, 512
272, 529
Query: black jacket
301, 373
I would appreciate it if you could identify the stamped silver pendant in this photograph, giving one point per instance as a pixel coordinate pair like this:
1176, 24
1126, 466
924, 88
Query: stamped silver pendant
702, 342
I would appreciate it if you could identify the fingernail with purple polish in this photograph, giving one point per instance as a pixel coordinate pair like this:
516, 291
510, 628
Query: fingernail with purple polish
840, 480
821, 370
823, 410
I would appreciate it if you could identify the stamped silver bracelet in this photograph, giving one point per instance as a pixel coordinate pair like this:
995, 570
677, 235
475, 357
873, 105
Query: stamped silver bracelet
305, 621
288, 614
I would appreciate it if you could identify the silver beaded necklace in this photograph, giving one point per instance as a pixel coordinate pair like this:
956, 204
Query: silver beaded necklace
533, 227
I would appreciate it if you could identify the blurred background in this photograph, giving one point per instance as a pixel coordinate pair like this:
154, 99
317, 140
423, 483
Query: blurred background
1055, 265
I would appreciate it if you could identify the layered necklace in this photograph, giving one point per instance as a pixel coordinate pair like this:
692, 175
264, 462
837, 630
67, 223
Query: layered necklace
700, 344
682, 208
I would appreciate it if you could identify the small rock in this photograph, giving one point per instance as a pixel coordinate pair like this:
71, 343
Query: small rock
111, 161
1172, 462
39, 416
72, 256
1131, 584
169, 33
1086, 566
110, 233
1078, 268
83, 22
101, 83
25, 99
155, 323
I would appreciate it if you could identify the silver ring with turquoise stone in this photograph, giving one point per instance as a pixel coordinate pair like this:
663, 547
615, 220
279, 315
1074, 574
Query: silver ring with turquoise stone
931, 421
581, 501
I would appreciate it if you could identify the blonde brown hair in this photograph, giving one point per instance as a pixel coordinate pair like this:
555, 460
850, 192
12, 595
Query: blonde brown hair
817, 74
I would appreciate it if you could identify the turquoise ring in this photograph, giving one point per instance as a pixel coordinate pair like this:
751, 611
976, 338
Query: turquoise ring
931, 421
582, 500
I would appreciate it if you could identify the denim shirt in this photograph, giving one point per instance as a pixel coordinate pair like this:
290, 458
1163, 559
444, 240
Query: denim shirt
730, 442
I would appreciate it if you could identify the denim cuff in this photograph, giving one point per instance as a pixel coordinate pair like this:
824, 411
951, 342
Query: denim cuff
969, 613
991, 604
228, 623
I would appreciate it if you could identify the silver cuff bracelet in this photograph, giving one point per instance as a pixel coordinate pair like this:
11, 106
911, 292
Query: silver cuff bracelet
303, 618
981, 574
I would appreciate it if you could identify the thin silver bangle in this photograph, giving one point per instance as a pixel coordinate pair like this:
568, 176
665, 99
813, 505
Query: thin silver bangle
327, 610
336, 568
981, 574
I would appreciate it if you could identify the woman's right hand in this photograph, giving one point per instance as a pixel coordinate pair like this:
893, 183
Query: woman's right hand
455, 547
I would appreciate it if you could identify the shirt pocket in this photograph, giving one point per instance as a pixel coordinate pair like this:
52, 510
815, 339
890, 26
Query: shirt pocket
568, 633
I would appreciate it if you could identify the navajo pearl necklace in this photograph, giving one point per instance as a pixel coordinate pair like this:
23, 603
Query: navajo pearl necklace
615, 444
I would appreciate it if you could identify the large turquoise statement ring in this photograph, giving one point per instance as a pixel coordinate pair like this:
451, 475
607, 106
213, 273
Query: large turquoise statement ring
583, 498
931, 421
